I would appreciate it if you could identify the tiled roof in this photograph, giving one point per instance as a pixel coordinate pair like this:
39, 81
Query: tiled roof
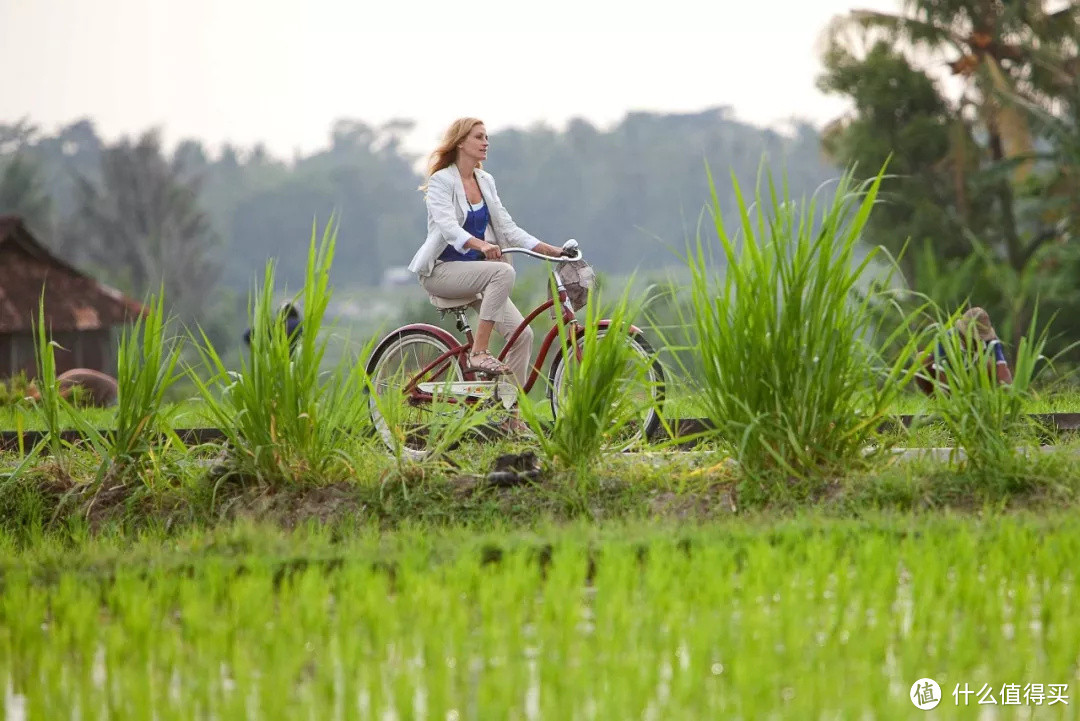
73, 300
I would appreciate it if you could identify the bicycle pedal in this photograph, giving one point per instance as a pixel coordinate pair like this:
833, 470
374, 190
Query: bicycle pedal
506, 393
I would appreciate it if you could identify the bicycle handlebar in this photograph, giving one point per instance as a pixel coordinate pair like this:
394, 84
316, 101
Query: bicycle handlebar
541, 256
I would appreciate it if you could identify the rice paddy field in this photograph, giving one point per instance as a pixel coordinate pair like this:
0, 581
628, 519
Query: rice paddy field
804, 619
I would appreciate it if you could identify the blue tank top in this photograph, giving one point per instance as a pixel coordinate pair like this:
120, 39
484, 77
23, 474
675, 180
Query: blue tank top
476, 223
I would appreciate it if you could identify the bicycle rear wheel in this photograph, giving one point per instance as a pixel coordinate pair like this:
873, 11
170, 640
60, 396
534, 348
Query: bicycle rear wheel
642, 383
399, 419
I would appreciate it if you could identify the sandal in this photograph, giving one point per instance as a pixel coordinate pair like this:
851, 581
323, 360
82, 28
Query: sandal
484, 361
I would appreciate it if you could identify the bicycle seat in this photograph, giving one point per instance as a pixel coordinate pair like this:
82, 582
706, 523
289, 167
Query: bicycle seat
449, 304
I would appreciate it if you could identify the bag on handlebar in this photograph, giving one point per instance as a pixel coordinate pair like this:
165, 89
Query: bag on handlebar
578, 277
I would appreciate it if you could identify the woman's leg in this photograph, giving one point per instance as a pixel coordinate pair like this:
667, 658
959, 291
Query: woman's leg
520, 353
457, 279
517, 357
482, 337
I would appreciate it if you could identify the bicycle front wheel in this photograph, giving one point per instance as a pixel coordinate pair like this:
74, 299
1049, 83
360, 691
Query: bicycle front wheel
641, 385
401, 420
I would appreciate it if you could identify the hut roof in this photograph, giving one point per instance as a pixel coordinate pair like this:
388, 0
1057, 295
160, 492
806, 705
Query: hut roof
73, 300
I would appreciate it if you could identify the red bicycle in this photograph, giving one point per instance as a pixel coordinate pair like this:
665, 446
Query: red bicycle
430, 366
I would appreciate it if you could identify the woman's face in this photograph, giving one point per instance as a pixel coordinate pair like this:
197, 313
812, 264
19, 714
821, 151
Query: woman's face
476, 144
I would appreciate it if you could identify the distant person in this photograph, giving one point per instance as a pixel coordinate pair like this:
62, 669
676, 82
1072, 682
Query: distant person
83, 385
290, 316
975, 329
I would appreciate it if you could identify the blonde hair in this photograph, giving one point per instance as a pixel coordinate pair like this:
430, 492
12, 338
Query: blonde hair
446, 154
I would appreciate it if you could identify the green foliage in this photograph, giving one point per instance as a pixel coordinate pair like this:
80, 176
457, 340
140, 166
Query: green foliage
51, 406
419, 437
601, 397
617, 189
901, 118
1047, 277
633, 193
141, 429
983, 417
13, 391
284, 419
789, 375
986, 181
146, 368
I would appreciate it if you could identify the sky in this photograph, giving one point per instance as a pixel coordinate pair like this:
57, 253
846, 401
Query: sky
280, 73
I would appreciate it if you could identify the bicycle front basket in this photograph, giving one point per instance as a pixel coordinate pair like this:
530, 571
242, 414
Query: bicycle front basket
579, 278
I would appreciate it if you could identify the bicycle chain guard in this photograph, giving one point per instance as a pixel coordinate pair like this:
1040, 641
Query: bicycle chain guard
503, 392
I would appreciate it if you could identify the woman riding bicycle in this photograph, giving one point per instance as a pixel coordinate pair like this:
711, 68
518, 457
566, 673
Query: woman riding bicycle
462, 256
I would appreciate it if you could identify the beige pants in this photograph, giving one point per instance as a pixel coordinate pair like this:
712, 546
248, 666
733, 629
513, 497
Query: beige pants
493, 280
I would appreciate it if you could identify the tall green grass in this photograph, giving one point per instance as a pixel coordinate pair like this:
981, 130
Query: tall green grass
984, 417
51, 406
790, 374
285, 419
147, 366
604, 395
141, 430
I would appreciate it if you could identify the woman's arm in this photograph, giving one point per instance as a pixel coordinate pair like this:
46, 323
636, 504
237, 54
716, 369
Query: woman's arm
545, 249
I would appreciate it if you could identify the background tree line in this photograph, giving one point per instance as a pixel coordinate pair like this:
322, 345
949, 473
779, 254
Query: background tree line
617, 190
204, 223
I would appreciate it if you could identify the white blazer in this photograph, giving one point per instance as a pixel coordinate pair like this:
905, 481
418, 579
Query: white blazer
447, 209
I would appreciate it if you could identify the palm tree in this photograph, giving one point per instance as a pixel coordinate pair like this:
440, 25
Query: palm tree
997, 50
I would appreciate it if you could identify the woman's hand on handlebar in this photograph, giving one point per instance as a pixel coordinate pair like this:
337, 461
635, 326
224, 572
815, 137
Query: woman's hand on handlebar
490, 250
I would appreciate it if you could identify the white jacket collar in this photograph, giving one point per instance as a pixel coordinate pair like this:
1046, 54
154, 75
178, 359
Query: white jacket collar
459, 189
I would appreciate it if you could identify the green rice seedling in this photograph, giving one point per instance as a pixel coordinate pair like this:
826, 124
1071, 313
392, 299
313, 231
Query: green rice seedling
738, 620
986, 418
790, 375
605, 395
50, 408
147, 363
146, 369
51, 405
284, 418
141, 433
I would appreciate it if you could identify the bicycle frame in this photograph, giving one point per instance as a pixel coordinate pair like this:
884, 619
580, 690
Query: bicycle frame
568, 319
461, 349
